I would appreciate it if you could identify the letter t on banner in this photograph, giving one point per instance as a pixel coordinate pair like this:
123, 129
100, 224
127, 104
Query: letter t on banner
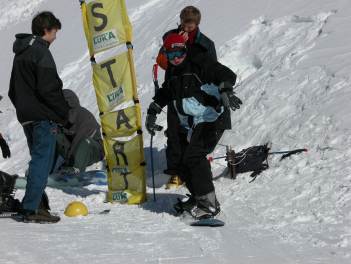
106, 25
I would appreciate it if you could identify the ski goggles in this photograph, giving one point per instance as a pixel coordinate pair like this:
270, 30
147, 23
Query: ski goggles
177, 53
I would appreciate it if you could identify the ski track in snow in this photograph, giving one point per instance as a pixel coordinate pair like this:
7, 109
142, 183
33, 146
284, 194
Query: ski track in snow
298, 211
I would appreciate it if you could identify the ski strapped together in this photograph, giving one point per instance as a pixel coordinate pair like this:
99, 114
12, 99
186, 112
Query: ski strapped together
108, 31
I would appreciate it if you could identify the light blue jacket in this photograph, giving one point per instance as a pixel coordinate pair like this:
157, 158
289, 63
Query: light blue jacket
200, 113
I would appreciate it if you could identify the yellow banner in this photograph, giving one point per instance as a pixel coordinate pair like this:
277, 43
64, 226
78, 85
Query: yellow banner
113, 79
127, 187
106, 24
126, 170
121, 123
123, 156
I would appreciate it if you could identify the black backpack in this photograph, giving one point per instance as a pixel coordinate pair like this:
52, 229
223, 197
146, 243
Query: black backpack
250, 159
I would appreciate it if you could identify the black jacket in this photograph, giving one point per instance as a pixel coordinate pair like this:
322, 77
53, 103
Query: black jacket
201, 39
84, 124
185, 80
35, 87
208, 46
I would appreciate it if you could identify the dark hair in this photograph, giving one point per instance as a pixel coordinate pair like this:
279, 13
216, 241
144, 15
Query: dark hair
44, 20
190, 14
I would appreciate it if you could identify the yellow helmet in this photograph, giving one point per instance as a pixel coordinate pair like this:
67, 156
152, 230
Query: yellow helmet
76, 208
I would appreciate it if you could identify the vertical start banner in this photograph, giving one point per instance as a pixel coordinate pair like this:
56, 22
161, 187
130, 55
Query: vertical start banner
106, 26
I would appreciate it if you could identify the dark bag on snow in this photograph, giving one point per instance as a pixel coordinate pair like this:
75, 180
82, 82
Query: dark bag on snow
251, 159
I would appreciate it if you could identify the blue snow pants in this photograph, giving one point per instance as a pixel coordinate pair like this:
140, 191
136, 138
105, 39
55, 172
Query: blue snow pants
41, 139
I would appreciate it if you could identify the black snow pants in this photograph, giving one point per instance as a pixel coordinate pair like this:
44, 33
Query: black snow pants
195, 168
174, 134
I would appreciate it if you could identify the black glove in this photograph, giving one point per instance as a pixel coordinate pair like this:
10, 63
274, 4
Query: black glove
151, 117
6, 153
228, 97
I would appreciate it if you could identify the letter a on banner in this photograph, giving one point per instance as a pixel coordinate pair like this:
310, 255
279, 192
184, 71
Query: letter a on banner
106, 25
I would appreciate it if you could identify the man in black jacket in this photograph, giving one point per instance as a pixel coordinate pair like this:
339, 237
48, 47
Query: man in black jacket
36, 92
199, 88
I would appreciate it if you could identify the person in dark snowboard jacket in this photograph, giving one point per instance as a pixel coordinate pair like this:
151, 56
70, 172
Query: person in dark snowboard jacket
190, 18
36, 93
81, 144
199, 88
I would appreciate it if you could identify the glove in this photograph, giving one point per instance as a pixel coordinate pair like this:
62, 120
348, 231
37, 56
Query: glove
228, 97
4, 148
151, 117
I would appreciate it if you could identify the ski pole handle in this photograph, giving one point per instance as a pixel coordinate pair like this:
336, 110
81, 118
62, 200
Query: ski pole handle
210, 159
155, 77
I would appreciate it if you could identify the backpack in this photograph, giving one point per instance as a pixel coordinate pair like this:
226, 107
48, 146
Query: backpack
250, 159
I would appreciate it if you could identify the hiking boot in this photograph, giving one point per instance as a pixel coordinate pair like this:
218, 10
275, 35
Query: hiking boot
174, 182
207, 206
40, 216
187, 205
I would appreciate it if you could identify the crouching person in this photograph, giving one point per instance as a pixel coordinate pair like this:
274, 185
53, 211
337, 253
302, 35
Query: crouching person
81, 144
199, 88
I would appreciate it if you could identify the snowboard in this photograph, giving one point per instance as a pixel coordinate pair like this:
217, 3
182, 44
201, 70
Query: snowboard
210, 222
58, 180
7, 214
96, 177
187, 218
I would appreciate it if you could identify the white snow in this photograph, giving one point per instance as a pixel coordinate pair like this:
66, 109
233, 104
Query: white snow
293, 60
13, 12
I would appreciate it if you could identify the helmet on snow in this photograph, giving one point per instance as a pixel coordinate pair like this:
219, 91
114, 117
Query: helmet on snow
76, 208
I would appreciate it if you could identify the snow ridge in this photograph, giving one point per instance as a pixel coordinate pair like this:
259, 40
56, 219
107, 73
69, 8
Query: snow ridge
14, 11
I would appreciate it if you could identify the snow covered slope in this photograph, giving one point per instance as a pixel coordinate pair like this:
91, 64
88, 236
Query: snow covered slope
293, 61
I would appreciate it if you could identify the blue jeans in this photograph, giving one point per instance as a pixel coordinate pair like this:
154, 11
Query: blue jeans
41, 139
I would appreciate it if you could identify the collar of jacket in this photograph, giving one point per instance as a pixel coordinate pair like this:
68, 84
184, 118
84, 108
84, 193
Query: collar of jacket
194, 36
42, 41
24, 41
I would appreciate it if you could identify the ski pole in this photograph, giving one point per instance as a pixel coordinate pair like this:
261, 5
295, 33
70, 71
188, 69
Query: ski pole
157, 128
152, 168
286, 152
210, 159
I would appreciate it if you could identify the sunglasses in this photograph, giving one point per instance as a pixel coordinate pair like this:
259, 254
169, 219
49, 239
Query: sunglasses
178, 53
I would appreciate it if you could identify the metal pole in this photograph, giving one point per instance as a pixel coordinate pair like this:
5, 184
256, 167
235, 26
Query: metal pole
152, 168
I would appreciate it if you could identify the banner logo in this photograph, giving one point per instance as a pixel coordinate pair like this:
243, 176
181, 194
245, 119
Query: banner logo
105, 40
116, 96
